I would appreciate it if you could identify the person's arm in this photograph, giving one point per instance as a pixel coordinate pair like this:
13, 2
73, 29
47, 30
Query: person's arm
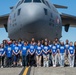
37, 53
45, 52
3, 54
14, 52
29, 51
73, 53
34, 51
40, 52
18, 52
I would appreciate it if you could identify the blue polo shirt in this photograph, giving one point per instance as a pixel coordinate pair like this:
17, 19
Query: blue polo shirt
12, 45
31, 48
50, 46
20, 45
71, 49
46, 50
24, 50
16, 49
38, 50
58, 46
54, 49
62, 49
2, 50
9, 51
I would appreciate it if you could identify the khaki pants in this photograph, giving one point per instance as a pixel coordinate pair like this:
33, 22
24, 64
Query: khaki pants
54, 60
38, 60
71, 60
46, 60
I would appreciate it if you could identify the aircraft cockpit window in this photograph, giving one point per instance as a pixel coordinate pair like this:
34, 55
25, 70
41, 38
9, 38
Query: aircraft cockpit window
38, 1
26, 1
43, 1
47, 4
19, 3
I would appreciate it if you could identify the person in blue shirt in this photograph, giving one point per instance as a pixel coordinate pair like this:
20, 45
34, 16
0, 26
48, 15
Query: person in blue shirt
62, 54
9, 55
58, 56
66, 47
24, 54
2, 55
71, 51
50, 54
20, 44
54, 54
16, 52
75, 53
38, 54
13, 45
46, 51
31, 54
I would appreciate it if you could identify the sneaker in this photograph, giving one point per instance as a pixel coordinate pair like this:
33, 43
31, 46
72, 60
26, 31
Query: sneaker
54, 65
1, 66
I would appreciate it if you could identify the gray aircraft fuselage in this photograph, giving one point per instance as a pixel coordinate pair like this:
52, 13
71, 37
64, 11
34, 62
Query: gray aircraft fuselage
37, 20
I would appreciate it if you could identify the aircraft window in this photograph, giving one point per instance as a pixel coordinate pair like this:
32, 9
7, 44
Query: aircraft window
47, 4
19, 10
27, 1
43, 1
37, 1
19, 3
45, 11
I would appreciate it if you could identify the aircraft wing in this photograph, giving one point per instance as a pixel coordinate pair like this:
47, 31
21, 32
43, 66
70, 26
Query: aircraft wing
60, 6
3, 20
68, 19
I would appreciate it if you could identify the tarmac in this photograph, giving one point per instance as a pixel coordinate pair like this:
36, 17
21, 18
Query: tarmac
52, 71
39, 71
10, 71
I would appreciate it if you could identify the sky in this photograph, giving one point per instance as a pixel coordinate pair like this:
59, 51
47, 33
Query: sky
71, 35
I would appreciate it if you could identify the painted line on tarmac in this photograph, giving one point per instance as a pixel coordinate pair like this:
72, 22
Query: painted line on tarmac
26, 71
22, 71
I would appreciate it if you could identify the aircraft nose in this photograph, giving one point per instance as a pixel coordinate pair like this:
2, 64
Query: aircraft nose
32, 13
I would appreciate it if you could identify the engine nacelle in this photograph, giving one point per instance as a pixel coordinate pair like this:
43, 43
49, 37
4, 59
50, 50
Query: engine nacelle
66, 27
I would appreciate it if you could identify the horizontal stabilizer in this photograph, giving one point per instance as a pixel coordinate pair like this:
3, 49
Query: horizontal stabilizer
60, 6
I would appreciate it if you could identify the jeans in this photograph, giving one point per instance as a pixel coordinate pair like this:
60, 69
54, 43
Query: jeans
2, 61
9, 61
24, 61
61, 59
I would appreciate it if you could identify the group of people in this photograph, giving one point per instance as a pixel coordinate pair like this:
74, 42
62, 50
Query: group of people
37, 53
